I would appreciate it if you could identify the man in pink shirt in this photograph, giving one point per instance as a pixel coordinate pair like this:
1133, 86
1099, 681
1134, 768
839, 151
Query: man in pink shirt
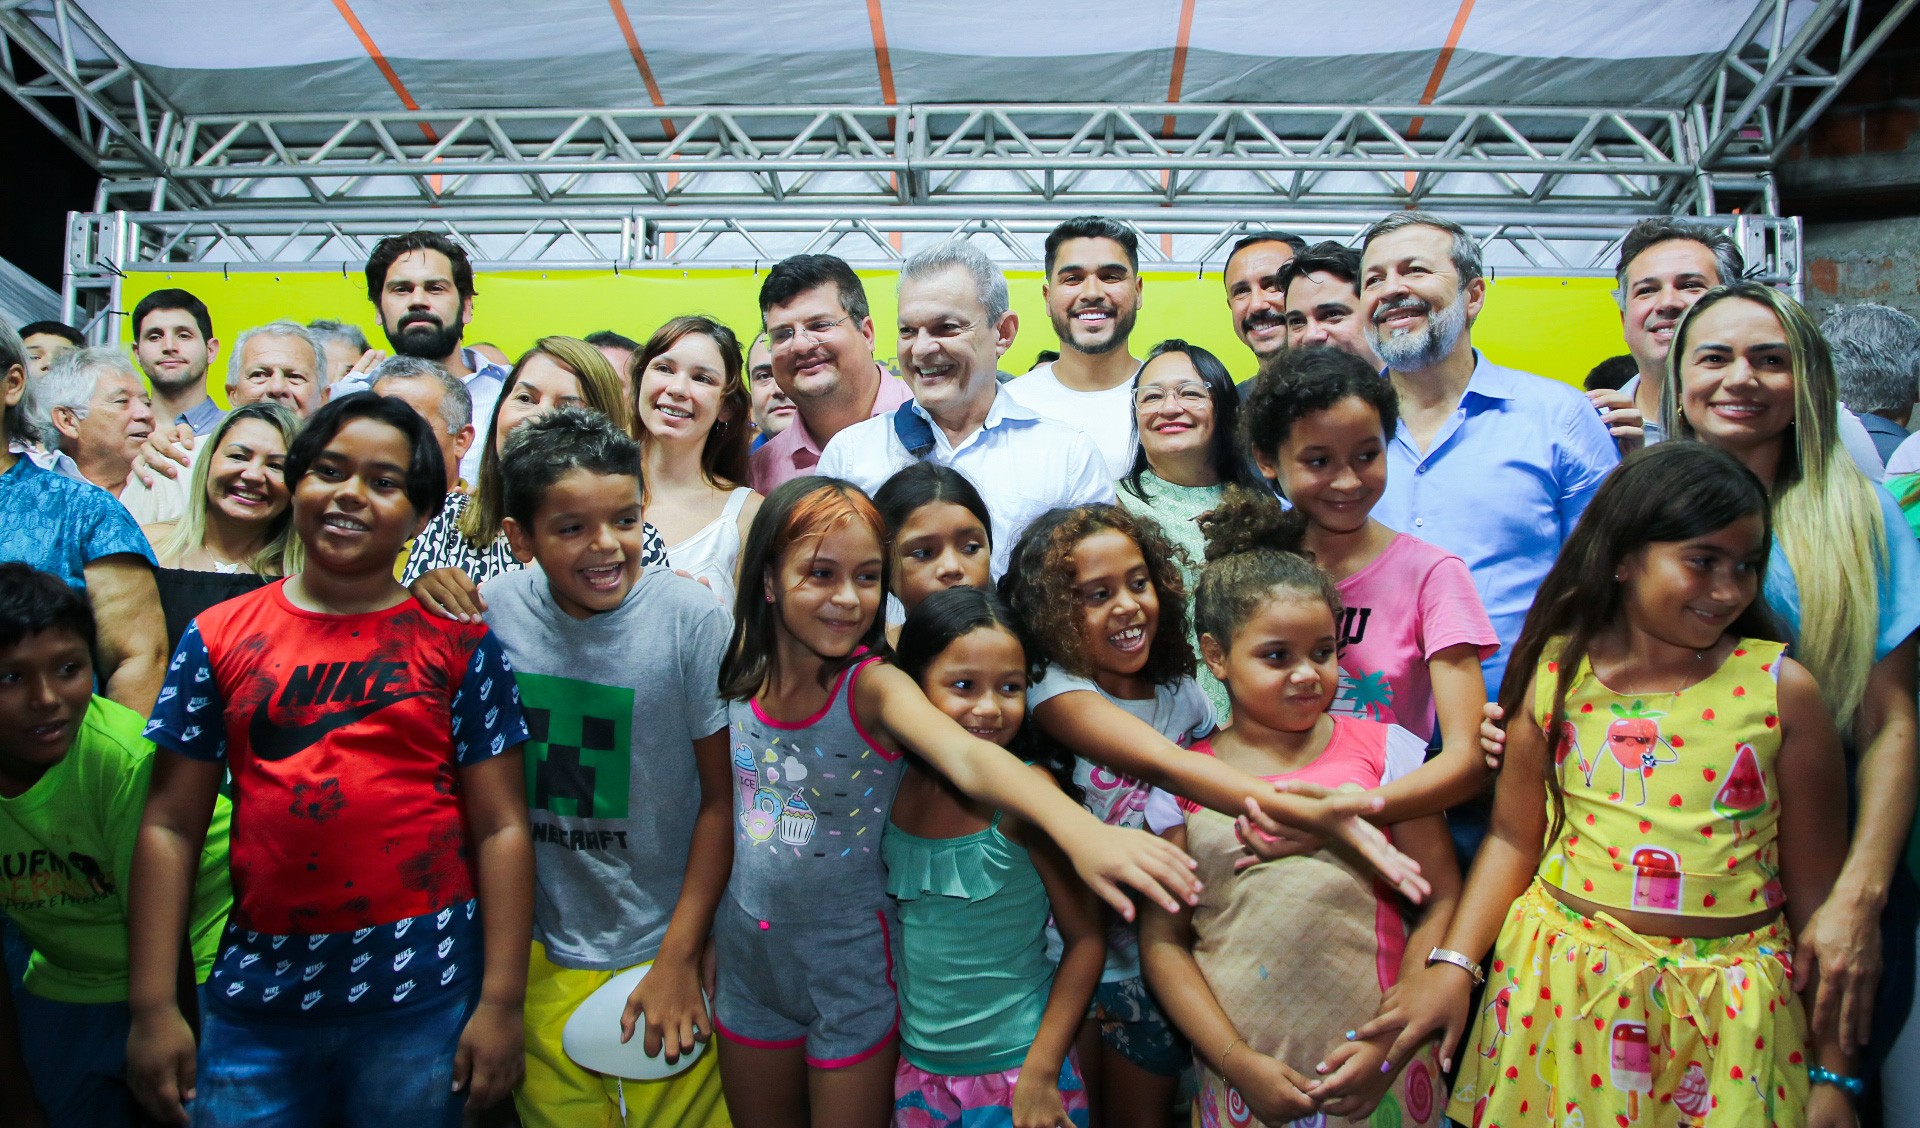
821, 336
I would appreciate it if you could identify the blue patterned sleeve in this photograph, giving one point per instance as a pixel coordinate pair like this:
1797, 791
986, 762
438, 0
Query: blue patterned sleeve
653, 550
109, 530
486, 708
191, 716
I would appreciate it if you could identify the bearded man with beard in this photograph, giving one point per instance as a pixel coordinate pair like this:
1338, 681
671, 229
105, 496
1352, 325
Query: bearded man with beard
1093, 295
1491, 464
421, 284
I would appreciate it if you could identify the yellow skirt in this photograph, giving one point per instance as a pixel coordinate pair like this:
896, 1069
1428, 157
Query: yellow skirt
1587, 1024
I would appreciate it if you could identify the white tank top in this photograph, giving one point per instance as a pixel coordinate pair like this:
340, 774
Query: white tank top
713, 553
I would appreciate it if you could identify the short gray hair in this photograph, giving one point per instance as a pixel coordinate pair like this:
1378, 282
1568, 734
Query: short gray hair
990, 284
1465, 253
1876, 356
1728, 262
327, 331
236, 368
456, 402
71, 383
14, 354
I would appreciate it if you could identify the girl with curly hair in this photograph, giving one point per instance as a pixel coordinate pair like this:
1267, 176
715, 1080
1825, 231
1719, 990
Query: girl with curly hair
1103, 607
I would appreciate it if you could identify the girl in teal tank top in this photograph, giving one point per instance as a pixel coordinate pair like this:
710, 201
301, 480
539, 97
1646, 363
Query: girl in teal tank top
986, 1021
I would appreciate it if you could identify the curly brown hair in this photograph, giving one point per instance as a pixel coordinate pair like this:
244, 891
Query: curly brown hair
1039, 587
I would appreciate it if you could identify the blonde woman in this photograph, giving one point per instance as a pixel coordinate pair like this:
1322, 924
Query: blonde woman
691, 408
464, 546
237, 531
1750, 373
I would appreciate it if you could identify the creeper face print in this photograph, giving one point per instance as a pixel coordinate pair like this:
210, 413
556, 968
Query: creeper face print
579, 752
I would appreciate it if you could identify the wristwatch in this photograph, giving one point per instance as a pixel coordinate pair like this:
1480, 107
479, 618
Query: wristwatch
1457, 959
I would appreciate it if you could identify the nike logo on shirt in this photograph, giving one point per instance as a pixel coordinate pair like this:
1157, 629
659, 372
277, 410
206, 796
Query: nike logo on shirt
273, 741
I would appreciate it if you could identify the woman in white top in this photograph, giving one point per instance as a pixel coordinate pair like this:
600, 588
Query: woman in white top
691, 410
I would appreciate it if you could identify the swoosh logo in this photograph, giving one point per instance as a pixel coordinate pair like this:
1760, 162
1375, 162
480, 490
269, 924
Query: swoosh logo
272, 741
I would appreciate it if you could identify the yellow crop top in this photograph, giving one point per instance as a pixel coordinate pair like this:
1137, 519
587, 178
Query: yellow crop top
1671, 799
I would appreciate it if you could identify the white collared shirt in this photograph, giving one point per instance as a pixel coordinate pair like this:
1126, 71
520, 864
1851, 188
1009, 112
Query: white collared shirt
1022, 464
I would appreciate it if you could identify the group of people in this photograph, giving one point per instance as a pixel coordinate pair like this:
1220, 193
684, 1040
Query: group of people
1391, 737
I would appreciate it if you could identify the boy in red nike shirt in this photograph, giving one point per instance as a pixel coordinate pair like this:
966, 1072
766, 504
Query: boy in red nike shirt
374, 966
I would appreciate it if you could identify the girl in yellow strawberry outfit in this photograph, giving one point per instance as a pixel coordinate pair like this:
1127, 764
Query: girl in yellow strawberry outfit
1641, 934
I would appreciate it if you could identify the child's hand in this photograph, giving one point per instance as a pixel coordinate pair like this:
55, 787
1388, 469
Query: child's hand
1493, 734
1108, 857
1341, 817
491, 1058
1354, 1077
1037, 1103
160, 1063
669, 996
449, 593
1267, 840
1828, 1107
1434, 1001
1274, 1093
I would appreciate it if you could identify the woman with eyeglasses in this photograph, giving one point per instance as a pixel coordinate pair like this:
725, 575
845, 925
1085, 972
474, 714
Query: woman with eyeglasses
1186, 415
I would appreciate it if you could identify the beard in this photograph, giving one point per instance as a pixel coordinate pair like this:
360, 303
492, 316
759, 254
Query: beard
425, 337
1063, 327
1411, 352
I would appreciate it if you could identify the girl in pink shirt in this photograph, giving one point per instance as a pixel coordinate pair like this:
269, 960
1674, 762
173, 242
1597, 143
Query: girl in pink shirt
1413, 631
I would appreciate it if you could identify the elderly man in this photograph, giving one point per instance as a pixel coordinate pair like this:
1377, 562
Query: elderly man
92, 406
820, 338
278, 361
956, 321
1320, 292
341, 343
1491, 464
80, 534
439, 396
1876, 363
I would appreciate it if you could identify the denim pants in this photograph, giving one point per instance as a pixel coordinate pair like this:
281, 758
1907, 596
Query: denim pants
371, 1070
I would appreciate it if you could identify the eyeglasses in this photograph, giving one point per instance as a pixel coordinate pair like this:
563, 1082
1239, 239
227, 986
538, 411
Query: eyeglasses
1191, 395
815, 330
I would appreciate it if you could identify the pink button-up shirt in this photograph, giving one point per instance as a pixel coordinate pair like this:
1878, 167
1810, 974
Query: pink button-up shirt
793, 453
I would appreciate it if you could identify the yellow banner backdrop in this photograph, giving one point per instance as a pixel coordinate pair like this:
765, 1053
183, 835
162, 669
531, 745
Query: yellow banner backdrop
1558, 327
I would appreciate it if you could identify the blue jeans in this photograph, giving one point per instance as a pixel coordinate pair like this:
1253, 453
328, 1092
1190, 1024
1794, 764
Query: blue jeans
375, 1070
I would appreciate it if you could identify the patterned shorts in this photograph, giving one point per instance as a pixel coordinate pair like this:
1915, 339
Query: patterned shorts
1134, 1026
933, 1100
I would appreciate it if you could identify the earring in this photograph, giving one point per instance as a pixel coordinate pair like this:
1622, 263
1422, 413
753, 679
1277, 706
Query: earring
720, 428
769, 598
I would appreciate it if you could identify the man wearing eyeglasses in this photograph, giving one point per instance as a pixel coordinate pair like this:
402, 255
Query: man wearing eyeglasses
1093, 296
821, 341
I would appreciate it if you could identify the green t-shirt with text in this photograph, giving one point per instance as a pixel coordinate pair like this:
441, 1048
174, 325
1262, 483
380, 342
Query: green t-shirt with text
66, 854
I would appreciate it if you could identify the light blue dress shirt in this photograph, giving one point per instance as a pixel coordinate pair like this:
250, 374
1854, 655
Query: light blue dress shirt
1501, 487
1899, 582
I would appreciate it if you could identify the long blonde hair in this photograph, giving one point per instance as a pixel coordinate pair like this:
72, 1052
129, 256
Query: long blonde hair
281, 553
1825, 516
599, 386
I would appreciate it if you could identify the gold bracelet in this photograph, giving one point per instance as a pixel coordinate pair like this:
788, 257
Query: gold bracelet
1228, 1052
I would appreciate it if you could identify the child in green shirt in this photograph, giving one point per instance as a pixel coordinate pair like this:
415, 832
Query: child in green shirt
74, 771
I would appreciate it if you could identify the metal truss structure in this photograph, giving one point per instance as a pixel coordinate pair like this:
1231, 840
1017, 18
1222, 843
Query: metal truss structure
1547, 188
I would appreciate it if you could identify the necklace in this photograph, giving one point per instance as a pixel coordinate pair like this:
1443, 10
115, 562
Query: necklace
1698, 657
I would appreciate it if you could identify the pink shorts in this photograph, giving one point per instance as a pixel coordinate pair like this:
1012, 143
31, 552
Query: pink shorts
933, 1100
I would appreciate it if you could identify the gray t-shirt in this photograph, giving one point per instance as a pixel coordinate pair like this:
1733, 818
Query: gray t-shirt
613, 705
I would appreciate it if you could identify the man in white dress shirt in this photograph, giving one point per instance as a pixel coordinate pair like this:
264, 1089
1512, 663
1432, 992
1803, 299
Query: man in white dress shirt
956, 322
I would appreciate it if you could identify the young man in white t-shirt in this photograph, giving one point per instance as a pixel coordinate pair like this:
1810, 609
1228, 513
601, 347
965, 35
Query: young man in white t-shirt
1093, 295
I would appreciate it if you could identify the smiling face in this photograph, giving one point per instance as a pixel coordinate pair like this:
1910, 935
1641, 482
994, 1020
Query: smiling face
589, 540
1688, 593
980, 680
1417, 311
278, 369
351, 508
828, 590
171, 350
1172, 408
46, 684
246, 481
1255, 299
1663, 282
119, 419
949, 348
1736, 377
1119, 610
1322, 309
1092, 296
1284, 664
543, 386
817, 349
681, 391
421, 308
940, 545
1333, 465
